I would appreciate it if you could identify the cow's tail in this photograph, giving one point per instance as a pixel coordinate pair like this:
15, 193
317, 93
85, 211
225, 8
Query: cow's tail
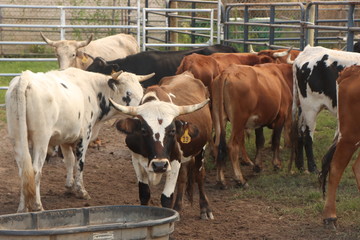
17, 124
294, 129
326, 161
218, 115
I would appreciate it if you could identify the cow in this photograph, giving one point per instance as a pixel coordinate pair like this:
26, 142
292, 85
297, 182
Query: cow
80, 54
346, 141
315, 72
61, 108
206, 68
163, 63
249, 97
279, 55
168, 138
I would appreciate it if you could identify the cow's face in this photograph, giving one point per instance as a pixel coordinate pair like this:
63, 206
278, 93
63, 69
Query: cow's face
101, 66
66, 50
157, 142
154, 134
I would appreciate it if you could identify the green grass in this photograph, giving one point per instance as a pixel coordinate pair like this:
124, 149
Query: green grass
18, 67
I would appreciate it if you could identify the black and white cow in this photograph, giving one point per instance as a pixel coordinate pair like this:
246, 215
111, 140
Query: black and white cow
168, 137
315, 72
61, 108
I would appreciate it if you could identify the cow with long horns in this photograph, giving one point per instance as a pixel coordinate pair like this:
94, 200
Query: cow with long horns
168, 136
80, 54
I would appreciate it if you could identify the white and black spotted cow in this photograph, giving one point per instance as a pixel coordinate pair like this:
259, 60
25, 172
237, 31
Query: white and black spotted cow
315, 72
61, 108
168, 137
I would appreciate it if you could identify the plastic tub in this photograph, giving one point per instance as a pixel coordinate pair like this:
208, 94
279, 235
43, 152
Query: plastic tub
92, 223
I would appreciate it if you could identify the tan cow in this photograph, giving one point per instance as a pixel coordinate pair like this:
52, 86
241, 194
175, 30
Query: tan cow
79, 54
249, 97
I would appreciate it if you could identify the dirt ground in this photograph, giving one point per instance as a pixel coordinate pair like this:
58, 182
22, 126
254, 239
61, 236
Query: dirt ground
110, 180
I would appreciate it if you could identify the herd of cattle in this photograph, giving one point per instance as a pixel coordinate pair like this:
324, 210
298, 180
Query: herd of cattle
176, 101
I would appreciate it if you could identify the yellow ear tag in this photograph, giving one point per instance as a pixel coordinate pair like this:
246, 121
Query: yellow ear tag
84, 59
185, 138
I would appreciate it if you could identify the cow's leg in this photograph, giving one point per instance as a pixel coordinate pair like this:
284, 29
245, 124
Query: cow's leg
69, 160
356, 170
80, 151
260, 141
141, 175
236, 139
199, 172
245, 160
170, 184
308, 128
181, 186
275, 146
220, 152
309, 150
38, 155
341, 158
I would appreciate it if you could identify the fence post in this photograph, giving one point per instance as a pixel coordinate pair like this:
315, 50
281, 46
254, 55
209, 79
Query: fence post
62, 23
350, 34
173, 22
311, 20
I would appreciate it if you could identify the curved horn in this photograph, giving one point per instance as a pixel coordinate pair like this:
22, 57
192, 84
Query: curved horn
48, 41
146, 77
251, 49
282, 54
129, 110
288, 59
115, 75
84, 43
192, 108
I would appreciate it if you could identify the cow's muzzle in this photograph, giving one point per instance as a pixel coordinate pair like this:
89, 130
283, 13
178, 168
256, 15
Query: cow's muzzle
160, 166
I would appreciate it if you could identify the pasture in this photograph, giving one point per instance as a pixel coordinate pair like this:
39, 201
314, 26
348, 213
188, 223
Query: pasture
277, 205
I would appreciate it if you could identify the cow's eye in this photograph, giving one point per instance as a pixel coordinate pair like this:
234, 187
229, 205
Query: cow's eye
172, 132
143, 131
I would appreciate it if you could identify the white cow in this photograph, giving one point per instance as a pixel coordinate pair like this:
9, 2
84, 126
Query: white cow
71, 53
61, 108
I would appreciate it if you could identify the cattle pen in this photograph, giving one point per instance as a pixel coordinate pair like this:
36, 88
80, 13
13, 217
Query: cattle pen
277, 205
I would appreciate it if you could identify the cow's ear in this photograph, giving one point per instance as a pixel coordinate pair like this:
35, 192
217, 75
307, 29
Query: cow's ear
128, 125
186, 131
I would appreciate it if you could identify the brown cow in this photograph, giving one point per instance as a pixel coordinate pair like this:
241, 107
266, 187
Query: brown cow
346, 141
250, 97
165, 140
279, 55
206, 68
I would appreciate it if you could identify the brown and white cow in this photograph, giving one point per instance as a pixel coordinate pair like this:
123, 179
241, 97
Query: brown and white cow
346, 142
79, 54
249, 97
61, 108
168, 137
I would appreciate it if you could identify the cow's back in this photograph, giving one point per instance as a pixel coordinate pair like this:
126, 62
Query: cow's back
113, 47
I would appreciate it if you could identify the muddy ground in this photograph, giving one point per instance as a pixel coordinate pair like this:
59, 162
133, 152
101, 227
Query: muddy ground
110, 180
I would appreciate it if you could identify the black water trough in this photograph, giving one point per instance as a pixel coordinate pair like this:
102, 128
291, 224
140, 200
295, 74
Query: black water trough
92, 223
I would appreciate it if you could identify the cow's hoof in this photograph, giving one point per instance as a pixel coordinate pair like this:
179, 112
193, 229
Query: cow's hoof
257, 168
247, 163
277, 168
313, 170
330, 223
206, 215
221, 186
82, 195
242, 185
